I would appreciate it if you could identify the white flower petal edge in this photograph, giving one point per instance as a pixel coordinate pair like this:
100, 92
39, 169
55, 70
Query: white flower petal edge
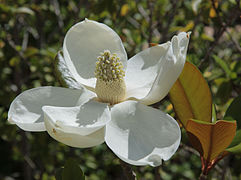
83, 43
163, 73
77, 122
73, 139
142, 70
141, 135
26, 109
64, 74
83, 120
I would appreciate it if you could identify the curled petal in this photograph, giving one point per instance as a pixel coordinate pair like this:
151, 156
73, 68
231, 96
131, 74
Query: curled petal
63, 73
156, 70
74, 125
83, 43
141, 135
73, 139
26, 109
142, 70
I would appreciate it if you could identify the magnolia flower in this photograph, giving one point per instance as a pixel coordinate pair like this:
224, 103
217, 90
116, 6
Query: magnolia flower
109, 95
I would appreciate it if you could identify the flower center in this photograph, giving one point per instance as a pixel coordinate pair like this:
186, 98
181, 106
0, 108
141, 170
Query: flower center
110, 85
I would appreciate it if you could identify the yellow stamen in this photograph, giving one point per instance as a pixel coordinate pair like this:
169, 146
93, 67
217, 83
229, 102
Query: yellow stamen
110, 85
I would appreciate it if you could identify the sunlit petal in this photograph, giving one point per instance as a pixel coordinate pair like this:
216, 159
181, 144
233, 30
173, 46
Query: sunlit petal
26, 109
76, 122
74, 139
83, 120
83, 43
142, 69
164, 71
141, 135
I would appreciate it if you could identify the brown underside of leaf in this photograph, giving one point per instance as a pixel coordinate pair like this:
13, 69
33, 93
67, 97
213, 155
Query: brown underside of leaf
214, 138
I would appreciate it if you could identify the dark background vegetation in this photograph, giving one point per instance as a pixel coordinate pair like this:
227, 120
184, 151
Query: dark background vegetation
31, 33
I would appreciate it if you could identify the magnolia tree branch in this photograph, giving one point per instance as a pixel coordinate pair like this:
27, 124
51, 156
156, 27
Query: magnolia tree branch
220, 31
170, 14
203, 177
150, 5
157, 173
128, 172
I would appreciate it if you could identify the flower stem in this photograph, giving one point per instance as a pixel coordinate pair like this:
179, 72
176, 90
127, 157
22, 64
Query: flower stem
128, 172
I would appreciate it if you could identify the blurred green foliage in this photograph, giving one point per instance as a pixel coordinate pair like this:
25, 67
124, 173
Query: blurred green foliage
32, 32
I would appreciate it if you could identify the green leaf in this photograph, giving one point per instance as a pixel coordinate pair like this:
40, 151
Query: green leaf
214, 115
30, 51
14, 61
225, 67
72, 171
224, 91
24, 10
233, 113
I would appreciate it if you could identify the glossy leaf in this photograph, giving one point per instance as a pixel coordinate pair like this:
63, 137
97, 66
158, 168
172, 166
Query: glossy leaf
225, 67
233, 113
191, 96
188, 27
72, 171
224, 91
211, 139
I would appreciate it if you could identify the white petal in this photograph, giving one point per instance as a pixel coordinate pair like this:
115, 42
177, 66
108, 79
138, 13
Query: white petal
83, 120
75, 125
83, 43
163, 76
26, 109
73, 139
141, 135
64, 74
142, 70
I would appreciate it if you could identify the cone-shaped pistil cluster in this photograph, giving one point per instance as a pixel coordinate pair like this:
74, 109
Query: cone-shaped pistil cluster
110, 84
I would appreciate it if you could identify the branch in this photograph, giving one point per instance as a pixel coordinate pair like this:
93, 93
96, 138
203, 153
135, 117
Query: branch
151, 7
236, 44
129, 173
170, 14
203, 177
157, 173
221, 30
189, 149
57, 13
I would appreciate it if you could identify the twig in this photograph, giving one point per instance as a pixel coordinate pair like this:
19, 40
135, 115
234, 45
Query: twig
57, 13
225, 168
133, 22
189, 149
129, 174
220, 31
150, 6
203, 177
26, 152
170, 14
157, 173
25, 40
13, 45
143, 13
236, 44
